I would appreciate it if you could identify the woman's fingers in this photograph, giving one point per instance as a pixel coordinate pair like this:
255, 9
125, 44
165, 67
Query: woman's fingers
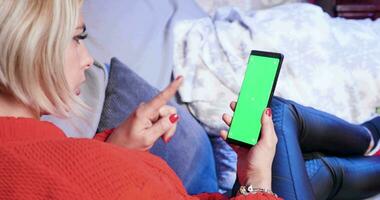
268, 134
164, 111
150, 108
236, 148
233, 105
223, 134
169, 134
227, 119
160, 127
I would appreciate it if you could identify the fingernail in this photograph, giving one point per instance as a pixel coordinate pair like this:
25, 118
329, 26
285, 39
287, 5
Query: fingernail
268, 112
178, 77
173, 118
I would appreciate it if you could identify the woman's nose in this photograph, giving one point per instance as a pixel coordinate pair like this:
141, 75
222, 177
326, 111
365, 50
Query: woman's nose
87, 59
90, 62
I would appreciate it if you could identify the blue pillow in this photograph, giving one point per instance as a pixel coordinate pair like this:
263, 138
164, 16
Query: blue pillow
189, 153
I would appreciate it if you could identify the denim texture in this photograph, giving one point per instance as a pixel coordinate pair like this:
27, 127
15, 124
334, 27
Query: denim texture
320, 156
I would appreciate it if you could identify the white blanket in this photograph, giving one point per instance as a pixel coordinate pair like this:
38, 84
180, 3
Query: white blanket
331, 64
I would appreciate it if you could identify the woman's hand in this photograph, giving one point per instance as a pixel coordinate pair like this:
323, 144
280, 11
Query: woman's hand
254, 165
149, 122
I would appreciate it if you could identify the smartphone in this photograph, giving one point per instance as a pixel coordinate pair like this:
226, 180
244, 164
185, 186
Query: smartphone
255, 95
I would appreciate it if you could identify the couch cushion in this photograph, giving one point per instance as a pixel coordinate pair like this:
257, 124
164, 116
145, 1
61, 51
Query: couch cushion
139, 33
189, 153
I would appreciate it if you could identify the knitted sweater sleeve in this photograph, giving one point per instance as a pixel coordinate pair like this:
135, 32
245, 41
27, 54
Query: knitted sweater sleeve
102, 136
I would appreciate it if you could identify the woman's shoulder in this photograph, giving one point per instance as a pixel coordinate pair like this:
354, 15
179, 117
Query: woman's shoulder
14, 129
91, 166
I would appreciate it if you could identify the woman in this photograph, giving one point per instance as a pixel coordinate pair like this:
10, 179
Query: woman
42, 64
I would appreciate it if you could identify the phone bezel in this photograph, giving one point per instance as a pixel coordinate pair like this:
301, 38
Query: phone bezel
265, 54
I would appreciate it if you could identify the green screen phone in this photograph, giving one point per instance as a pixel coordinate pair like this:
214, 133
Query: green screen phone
255, 95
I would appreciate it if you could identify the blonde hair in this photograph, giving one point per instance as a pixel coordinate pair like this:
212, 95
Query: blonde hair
34, 35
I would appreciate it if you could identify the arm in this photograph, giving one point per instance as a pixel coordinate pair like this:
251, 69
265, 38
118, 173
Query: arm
103, 136
254, 166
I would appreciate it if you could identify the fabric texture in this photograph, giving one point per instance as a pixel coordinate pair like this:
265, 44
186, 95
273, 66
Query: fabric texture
92, 94
189, 153
211, 6
331, 64
139, 33
333, 148
39, 162
355, 177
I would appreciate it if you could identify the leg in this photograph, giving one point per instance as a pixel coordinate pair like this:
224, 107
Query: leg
300, 128
322, 132
344, 178
290, 179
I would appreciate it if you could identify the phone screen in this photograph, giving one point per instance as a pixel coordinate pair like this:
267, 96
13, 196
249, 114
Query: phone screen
255, 95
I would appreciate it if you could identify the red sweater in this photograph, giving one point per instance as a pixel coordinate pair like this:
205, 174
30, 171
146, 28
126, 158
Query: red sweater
39, 162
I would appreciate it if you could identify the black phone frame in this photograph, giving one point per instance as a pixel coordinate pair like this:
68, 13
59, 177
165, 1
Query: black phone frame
265, 54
